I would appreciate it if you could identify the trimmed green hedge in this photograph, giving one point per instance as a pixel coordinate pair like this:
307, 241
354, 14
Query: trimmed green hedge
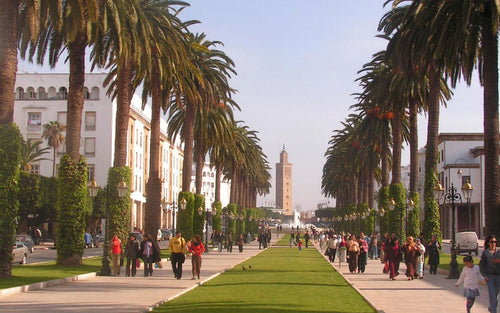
71, 205
217, 218
119, 208
185, 217
10, 156
198, 220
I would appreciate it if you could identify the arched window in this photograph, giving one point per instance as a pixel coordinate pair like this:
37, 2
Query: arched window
41, 93
63, 93
31, 93
19, 93
94, 95
52, 93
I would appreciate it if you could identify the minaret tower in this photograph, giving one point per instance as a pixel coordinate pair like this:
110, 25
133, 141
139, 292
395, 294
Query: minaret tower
284, 183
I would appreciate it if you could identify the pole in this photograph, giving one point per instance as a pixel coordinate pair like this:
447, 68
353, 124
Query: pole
206, 232
453, 273
468, 206
105, 269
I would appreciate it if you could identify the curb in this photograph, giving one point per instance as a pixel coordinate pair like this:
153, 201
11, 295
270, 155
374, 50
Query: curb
45, 284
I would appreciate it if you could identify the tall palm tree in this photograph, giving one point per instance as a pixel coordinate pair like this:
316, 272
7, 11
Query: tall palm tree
53, 132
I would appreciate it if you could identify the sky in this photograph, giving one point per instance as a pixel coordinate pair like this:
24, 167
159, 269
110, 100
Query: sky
296, 63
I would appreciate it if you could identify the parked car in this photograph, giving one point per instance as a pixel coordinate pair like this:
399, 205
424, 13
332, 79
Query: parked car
20, 253
166, 233
28, 242
467, 242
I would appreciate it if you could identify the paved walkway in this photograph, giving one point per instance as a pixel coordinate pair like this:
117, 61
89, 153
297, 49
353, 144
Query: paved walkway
433, 293
124, 294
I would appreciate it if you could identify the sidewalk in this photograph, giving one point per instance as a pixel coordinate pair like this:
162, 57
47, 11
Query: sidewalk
125, 294
433, 293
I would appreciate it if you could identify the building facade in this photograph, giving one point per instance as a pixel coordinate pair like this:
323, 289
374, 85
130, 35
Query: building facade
208, 186
284, 183
41, 98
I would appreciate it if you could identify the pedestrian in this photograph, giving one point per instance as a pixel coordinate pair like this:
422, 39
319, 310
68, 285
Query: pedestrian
410, 255
433, 251
306, 238
331, 247
420, 258
177, 247
156, 253
146, 253
230, 242
469, 277
421, 236
342, 247
490, 268
353, 253
297, 238
363, 252
196, 247
88, 240
393, 257
384, 239
219, 238
131, 253
116, 251
292, 239
374, 246
299, 244
322, 241
240, 243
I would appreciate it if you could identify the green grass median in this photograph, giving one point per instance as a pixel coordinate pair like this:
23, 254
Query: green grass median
276, 280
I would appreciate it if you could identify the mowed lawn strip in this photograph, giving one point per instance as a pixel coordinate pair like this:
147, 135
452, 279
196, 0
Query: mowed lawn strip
276, 280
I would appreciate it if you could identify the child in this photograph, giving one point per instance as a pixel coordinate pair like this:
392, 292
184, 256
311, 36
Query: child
300, 245
469, 277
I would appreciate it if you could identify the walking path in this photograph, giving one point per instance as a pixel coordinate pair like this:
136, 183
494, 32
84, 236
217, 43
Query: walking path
433, 293
92, 293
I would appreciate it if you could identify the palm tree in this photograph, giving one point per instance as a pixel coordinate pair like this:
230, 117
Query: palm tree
53, 132
31, 152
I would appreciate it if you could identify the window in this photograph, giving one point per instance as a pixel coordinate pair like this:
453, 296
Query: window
89, 146
34, 121
41, 94
35, 169
61, 149
86, 93
61, 117
31, 93
90, 172
63, 93
90, 119
20, 93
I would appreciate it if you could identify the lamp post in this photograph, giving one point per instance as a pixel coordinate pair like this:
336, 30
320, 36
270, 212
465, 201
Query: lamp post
452, 196
467, 191
122, 193
408, 208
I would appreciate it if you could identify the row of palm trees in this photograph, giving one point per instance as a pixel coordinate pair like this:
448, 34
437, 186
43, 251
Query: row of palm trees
431, 45
141, 43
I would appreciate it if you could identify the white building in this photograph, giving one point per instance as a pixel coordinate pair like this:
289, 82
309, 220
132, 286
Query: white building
41, 98
208, 186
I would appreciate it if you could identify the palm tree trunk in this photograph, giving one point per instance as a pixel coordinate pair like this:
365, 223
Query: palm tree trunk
153, 187
413, 148
491, 137
396, 146
200, 161
431, 213
124, 97
385, 163
8, 59
76, 51
218, 175
188, 146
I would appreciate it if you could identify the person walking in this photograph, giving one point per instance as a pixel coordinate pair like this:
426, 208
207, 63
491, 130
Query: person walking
230, 242
116, 251
410, 255
393, 257
342, 247
219, 238
331, 247
306, 238
146, 253
177, 247
291, 242
88, 240
421, 258
240, 243
374, 246
196, 247
131, 253
490, 269
469, 277
353, 253
363, 253
156, 253
433, 251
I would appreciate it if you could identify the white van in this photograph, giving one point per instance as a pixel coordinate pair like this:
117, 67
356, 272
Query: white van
467, 242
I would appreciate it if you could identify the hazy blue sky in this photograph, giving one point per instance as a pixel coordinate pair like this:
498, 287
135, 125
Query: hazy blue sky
296, 63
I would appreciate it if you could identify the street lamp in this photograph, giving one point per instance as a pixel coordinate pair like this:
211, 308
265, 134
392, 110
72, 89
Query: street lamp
122, 193
451, 196
467, 191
